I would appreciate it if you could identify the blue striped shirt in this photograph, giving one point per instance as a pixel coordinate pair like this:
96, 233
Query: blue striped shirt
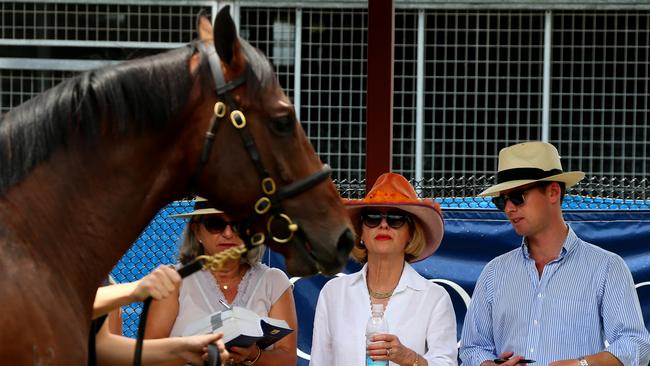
583, 298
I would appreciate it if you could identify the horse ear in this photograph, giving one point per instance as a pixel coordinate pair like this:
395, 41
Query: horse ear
225, 36
204, 26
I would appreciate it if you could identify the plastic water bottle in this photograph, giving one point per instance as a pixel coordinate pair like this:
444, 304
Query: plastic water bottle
376, 325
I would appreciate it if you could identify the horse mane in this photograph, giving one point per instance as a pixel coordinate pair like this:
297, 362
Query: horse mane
126, 98
123, 99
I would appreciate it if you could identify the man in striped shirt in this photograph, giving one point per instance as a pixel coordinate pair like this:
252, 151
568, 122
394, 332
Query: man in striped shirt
556, 299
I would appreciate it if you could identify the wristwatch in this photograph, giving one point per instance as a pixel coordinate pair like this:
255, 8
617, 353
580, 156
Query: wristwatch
582, 361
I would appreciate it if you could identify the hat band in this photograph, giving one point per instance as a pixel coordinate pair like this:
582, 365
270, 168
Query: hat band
200, 205
525, 173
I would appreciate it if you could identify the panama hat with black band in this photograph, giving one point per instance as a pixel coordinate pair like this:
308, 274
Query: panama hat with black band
201, 207
530, 162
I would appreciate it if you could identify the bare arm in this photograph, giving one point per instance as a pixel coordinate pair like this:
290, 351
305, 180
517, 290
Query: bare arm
114, 321
118, 350
157, 284
598, 359
284, 350
162, 315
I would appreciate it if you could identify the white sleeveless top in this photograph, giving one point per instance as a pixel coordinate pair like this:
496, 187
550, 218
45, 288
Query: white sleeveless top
199, 295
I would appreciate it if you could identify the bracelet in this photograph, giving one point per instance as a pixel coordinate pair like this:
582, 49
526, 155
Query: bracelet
249, 363
417, 359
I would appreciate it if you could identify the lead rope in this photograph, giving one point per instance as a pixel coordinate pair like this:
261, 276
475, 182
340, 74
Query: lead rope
203, 262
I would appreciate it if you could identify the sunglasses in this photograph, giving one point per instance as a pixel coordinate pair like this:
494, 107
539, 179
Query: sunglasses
516, 197
394, 219
216, 225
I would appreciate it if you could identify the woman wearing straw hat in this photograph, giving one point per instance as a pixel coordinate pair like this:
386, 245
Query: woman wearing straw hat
555, 299
395, 228
241, 282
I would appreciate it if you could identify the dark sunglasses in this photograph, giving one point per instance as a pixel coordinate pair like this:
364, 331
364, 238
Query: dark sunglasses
394, 219
516, 197
216, 224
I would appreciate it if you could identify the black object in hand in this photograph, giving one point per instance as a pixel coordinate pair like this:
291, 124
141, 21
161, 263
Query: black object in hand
499, 361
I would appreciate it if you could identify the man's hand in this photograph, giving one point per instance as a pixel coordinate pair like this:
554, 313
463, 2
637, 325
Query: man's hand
511, 361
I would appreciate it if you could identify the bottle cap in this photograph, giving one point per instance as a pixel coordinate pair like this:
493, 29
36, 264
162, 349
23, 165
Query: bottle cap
377, 308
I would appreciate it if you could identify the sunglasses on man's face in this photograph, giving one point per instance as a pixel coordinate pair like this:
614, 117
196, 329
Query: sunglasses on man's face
516, 197
216, 224
394, 219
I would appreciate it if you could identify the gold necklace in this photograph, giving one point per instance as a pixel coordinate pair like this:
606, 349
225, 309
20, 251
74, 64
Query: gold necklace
233, 282
380, 295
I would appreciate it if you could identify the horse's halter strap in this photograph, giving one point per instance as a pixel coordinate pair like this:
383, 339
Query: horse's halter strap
270, 202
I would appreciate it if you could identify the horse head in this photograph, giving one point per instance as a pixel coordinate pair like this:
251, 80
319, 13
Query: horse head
261, 168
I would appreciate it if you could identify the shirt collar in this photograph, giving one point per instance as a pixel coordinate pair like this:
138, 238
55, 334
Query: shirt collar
570, 243
408, 279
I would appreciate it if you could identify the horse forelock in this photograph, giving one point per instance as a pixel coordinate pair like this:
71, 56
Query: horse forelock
259, 69
124, 99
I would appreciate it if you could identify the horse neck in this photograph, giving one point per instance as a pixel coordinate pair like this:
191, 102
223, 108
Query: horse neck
86, 206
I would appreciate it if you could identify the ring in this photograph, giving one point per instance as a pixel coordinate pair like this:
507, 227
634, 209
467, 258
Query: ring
387, 352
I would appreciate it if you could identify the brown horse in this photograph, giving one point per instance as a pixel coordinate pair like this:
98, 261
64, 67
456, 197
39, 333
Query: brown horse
87, 164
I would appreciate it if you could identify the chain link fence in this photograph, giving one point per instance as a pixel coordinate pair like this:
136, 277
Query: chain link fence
158, 243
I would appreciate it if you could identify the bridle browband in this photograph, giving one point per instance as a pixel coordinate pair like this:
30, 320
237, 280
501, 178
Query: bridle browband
272, 197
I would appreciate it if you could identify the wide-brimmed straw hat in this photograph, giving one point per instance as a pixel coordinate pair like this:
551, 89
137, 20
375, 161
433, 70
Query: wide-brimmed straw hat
530, 162
201, 207
393, 190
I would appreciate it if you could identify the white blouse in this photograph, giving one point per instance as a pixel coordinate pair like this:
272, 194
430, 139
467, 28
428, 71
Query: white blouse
420, 313
199, 296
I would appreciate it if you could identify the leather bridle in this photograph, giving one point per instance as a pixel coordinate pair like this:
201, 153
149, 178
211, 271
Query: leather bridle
270, 202
271, 199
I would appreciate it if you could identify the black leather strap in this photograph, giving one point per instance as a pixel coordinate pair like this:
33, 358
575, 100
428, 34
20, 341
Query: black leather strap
303, 185
525, 173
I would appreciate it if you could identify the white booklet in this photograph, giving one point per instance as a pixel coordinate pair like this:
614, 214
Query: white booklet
241, 327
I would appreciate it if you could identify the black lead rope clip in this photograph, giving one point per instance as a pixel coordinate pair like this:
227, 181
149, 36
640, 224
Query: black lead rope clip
213, 352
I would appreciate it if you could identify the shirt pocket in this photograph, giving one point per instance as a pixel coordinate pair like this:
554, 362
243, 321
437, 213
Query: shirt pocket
572, 318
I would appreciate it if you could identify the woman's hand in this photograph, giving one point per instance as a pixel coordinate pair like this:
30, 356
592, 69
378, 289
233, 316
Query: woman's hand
239, 354
194, 348
389, 347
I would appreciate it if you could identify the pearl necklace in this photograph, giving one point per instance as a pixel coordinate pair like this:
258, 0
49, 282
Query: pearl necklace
232, 283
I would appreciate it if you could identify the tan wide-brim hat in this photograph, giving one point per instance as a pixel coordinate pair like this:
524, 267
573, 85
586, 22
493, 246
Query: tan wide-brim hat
393, 190
201, 207
529, 162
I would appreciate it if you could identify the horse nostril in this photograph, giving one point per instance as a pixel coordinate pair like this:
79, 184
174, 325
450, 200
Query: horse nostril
345, 244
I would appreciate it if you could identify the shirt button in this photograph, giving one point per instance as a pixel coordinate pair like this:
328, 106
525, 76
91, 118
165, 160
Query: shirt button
535, 321
539, 295
532, 350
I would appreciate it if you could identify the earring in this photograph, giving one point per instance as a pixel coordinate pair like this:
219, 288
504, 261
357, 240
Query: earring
362, 245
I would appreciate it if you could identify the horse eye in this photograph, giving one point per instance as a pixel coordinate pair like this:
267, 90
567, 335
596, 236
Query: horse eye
283, 125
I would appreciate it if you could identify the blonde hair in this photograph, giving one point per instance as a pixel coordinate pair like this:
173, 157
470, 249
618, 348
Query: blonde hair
413, 249
192, 248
